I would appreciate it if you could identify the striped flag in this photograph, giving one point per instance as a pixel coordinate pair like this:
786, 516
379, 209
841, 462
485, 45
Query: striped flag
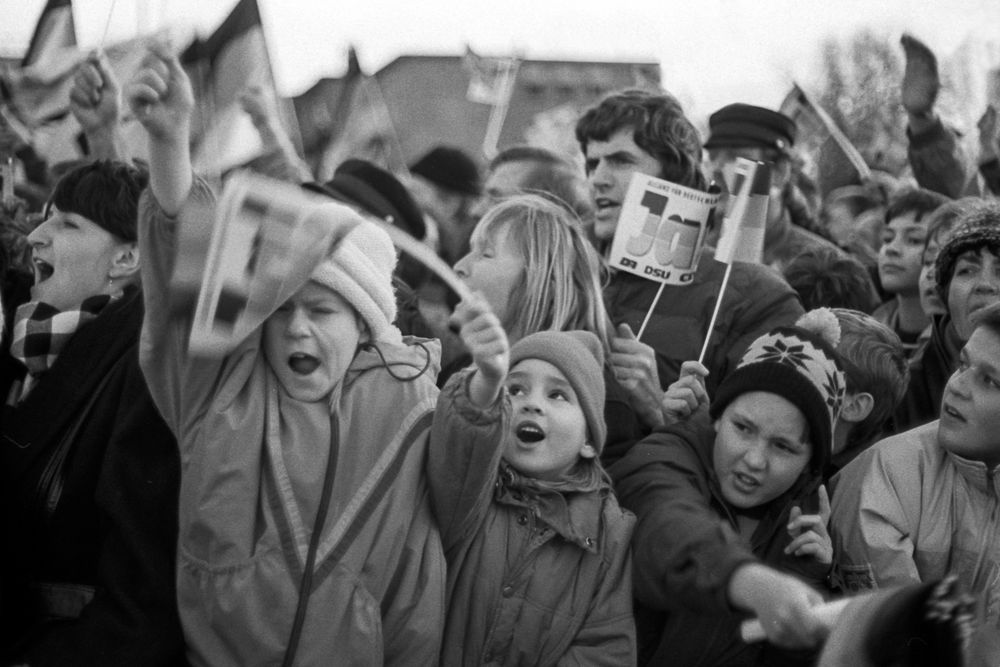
742, 237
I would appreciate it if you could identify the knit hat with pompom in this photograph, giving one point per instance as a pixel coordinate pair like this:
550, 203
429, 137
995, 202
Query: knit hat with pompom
800, 364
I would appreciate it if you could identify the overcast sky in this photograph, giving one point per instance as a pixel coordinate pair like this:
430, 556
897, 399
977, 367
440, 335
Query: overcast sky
711, 51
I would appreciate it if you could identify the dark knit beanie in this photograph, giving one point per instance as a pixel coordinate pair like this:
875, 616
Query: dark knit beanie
744, 125
981, 231
800, 364
580, 357
377, 192
449, 168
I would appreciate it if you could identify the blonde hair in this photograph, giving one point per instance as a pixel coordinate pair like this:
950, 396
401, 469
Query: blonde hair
561, 290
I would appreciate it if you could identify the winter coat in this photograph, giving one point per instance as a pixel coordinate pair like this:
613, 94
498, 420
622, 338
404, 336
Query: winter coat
907, 510
930, 369
88, 568
686, 547
377, 592
757, 300
531, 581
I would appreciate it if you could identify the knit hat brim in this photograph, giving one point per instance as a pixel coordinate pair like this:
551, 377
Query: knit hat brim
793, 387
360, 270
580, 357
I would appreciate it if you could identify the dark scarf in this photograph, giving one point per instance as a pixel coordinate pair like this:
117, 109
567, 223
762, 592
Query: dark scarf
41, 330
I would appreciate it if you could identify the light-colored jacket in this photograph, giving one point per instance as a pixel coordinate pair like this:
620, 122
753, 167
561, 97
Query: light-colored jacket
907, 510
378, 584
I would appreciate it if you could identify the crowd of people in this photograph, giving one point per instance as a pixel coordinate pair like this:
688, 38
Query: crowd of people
384, 473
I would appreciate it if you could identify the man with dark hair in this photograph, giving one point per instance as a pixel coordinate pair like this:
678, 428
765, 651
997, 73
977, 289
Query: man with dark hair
647, 133
89, 472
922, 504
635, 131
968, 278
756, 133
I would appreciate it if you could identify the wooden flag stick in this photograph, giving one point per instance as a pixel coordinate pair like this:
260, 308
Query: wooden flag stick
649, 314
715, 313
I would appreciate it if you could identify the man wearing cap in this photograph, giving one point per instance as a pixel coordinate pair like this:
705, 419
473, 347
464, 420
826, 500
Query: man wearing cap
445, 183
968, 280
755, 133
642, 132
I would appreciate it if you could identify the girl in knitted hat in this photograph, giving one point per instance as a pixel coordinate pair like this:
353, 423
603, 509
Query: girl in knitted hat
731, 512
305, 530
537, 546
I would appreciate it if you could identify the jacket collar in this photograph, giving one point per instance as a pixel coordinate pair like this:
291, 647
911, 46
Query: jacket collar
977, 474
573, 511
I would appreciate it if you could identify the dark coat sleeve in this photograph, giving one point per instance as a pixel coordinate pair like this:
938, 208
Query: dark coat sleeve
132, 619
937, 160
684, 551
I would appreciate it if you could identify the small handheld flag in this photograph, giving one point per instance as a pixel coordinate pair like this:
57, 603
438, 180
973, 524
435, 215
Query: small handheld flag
743, 227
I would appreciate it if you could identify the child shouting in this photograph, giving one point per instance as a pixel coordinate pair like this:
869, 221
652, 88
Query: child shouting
306, 536
536, 544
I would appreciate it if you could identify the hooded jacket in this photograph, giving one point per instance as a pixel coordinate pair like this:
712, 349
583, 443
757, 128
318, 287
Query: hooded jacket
245, 515
531, 580
687, 546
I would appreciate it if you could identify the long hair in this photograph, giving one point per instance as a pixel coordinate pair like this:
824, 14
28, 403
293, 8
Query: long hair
561, 290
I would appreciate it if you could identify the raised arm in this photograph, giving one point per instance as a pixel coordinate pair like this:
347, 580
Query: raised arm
467, 434
486, 340
95, 101
161, 98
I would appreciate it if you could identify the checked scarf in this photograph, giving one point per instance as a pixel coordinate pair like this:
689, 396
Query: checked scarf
41, 330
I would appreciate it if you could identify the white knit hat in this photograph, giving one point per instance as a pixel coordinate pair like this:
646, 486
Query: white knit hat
360, 270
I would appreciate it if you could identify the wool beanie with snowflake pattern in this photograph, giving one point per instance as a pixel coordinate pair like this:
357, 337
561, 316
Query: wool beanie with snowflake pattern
800, 364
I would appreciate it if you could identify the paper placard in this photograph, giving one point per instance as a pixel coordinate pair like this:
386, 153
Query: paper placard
266, 236
661, 230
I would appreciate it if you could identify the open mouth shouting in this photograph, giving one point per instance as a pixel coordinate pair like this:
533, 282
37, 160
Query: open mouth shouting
302, 363
43, 270
528, 432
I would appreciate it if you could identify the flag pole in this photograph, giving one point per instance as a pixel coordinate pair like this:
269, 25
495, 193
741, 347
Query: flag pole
715, 312
649, 313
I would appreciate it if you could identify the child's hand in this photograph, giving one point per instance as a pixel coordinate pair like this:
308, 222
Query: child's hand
484, 337
160, 95
95, 96
634, 365
686, 395
809, 533
784, 605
